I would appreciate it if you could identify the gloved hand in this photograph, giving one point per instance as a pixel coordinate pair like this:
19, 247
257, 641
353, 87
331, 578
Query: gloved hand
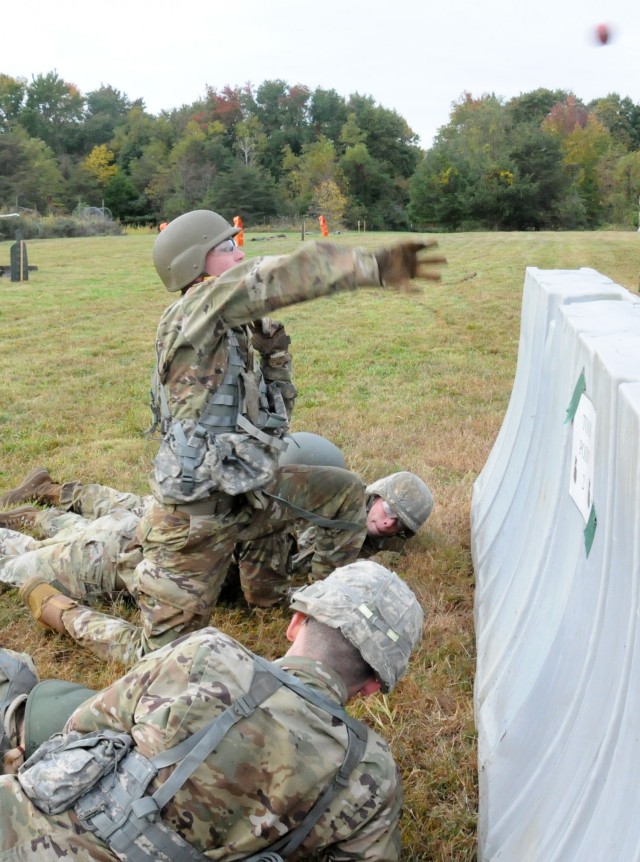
399, 264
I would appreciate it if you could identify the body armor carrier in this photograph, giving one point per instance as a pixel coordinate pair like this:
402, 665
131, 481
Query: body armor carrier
118, 810
241, 404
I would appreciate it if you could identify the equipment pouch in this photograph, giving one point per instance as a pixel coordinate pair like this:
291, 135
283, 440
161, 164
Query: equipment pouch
233, 463
66, 766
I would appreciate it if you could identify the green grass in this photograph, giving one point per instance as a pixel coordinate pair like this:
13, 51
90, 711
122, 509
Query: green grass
409, 381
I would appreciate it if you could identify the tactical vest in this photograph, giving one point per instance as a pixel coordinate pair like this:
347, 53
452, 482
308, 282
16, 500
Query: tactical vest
242, 403
239, 404
118, 810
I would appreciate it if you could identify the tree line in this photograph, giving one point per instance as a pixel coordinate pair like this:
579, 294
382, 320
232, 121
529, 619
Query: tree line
541, 160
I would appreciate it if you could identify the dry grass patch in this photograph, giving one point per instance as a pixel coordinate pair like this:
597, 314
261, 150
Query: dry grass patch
418, 382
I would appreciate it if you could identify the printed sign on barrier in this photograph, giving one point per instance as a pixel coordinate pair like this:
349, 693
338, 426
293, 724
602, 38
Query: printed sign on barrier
582, 457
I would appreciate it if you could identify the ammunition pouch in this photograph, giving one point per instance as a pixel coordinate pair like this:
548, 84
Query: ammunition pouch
191, 466
66, 766
232, 446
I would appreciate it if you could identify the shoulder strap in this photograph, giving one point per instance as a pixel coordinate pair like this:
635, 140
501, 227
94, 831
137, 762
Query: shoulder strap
223, 413
191, 752
160, 413
318, 520
357, 742
139, 814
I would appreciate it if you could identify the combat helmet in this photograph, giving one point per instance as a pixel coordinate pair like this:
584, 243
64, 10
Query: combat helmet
408, 496
180, 249
312, 449
374, 609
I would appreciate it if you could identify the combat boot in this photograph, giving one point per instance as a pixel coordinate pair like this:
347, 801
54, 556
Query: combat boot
38, 485
20, 519
46, 603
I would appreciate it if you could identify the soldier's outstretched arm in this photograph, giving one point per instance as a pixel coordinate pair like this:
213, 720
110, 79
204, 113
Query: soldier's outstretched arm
314, 270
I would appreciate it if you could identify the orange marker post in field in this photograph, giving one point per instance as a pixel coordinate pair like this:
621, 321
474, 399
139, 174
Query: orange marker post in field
323, 225
238, 238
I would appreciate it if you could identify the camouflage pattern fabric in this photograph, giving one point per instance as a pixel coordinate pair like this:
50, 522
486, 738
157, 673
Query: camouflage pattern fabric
93, 501
266, 774
87, 558
191, 345
381, 549
259, 570
374, 609
186, 558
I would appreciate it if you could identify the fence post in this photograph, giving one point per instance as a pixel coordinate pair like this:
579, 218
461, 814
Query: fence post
18, 259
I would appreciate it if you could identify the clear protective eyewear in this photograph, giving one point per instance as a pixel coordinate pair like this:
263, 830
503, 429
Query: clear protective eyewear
224, 247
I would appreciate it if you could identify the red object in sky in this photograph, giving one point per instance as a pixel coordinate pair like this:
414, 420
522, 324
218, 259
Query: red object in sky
602, 33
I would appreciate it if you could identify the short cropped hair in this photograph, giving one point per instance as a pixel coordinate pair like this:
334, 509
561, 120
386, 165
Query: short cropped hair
330, 646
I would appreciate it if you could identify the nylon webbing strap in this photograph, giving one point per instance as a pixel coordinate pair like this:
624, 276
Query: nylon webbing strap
226, 395
192, 753
213, 420
161, 415
250, 428
210, 421
140, 813
357, 741
189, 455
318, 520
355, 750
139, 818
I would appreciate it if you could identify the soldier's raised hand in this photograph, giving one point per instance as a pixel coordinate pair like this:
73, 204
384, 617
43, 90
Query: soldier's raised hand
400, 264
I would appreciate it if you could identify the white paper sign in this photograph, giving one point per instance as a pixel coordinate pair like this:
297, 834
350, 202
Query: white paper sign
583, 456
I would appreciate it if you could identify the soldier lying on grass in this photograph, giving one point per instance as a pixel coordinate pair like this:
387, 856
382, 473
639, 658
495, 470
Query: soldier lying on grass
278, 766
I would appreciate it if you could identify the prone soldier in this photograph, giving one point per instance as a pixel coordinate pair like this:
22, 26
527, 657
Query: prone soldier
202, 746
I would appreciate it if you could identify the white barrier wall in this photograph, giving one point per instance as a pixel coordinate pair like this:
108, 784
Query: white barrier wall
557, 690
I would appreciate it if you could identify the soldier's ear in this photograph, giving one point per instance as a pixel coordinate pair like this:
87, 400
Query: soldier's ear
370, 687
297, 621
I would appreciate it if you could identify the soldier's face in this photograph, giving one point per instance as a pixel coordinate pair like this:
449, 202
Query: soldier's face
222, 257
381, 520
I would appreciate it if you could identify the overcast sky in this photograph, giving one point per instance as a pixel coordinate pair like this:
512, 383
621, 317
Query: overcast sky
416, 57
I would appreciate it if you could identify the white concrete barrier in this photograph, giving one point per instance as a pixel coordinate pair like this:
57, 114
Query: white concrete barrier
557, 689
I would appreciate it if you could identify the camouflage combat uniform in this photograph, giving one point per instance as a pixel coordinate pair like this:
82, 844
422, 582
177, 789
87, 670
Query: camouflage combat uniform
186, 555
88, 559
266, 774
380, 549
259, 567
95, 558
92, 500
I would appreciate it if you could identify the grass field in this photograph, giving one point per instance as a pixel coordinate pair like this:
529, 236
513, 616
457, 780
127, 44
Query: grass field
410, 381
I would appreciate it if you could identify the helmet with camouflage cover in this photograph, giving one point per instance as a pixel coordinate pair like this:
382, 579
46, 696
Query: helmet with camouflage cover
408, 496
374, 609
180, 249
311, 449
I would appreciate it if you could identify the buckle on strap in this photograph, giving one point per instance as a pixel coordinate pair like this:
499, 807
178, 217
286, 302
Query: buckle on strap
253, 431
